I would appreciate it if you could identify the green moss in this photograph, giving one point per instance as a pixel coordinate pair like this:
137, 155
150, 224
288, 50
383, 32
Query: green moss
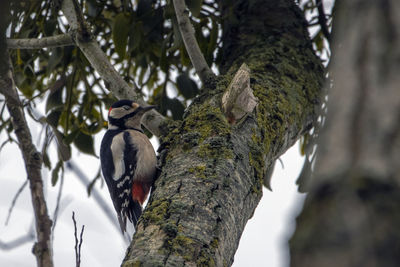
156, 212
199, 171
257, 162
182, 246
214, 243
170, 229
215, 148
205, 260
207, 120
135, 263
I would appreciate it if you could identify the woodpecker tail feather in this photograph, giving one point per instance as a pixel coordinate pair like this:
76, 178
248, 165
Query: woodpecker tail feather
133, 213
135, 210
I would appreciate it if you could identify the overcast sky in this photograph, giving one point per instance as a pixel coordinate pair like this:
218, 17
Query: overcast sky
263, 242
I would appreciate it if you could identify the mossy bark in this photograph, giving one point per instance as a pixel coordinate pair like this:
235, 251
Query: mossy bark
351, 216
211, 180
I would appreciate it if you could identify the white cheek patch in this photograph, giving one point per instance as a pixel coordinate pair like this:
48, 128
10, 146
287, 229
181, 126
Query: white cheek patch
117, 150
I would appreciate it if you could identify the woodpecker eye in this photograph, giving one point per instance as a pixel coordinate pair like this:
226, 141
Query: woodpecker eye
126, 107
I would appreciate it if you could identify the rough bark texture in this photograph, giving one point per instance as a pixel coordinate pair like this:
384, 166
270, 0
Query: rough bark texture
352, 215
32, 158
212, 174
52, 41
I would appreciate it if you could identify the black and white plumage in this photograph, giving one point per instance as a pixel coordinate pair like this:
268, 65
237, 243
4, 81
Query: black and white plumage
128, 160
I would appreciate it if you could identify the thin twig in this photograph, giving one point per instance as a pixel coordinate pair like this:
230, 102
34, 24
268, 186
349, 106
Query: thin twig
19, 241
99, 61
45, 42
57, 209
192, 47
78, 244
14, 201
322, 20
72, 166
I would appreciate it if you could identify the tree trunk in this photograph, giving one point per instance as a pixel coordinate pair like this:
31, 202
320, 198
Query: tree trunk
211, 180
351, 216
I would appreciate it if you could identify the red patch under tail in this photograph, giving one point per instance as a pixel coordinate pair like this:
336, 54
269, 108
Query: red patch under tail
140, 191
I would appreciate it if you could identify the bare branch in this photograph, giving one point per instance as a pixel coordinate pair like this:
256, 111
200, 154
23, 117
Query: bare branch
33, 163
77, 244
14, 201
72, 166
239, 100
102, 65
45, 42
19, 241
322, 20
192, 47
57, 209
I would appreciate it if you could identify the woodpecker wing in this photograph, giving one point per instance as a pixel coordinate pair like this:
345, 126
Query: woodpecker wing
118, 162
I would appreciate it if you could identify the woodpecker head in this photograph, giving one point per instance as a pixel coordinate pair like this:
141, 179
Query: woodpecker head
126, 114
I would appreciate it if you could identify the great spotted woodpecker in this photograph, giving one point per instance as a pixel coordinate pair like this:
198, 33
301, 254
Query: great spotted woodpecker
128, 160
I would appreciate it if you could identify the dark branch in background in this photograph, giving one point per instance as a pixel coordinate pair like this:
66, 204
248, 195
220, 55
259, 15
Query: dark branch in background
99, 61
192, 47
94, 193
14, 201
19, 241
78, 244
322, 20
32, 158
57, 209
45, 42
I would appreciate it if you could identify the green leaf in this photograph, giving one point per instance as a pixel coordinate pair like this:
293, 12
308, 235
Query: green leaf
163, 63
55, 59
71, 136
186, 86
135, 37
319, 41
94, 8
178, 42
85, 143
64, 149
177, 108
194, 6
46, 160
120, 33
143, 7
54, 117
55, 172
49, 27
55, 97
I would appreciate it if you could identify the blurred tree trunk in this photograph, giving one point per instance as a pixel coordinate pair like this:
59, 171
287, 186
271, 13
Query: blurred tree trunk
212, 175
351, 216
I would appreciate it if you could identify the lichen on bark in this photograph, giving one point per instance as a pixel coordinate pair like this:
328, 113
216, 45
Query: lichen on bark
211, 178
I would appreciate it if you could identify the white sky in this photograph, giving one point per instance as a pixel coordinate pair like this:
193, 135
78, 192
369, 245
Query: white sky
263, 242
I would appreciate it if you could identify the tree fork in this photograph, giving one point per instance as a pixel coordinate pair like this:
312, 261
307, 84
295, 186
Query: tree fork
211, 180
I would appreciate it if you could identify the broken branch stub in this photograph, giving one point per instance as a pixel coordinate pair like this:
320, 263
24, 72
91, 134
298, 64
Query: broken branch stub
239, 99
